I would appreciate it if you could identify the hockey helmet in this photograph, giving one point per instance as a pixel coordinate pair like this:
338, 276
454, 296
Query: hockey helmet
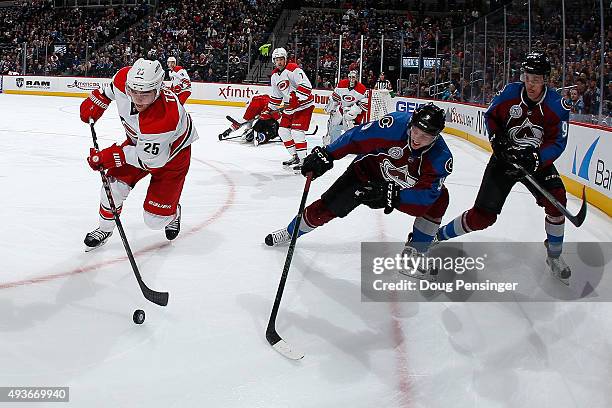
429, 118
171, 59
145, 75
279, 53
536, 63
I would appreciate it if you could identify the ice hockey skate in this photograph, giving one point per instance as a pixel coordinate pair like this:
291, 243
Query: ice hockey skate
96, 239
173, 229
279, 237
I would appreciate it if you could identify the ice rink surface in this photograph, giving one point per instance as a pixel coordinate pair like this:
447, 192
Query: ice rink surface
66, 315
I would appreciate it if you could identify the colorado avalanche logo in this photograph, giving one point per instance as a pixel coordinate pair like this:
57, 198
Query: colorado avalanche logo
526, 134
19, 82
396, 152
400, 176
348, 98
282, 85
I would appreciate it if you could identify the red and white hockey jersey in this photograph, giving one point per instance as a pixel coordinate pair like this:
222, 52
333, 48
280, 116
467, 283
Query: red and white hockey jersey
346, 97
158, 133
290, 80
180, 83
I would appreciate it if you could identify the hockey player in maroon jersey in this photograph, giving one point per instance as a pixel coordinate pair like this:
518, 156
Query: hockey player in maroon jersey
159, 135
527, 124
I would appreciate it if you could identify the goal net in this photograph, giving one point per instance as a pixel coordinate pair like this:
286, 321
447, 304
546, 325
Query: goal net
380, 103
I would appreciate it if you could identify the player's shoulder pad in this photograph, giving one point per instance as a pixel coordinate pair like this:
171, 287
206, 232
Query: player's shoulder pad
441, 157
360, 88
275, 71
344, 83
120, 78
557, 104
394, 125
177, 68
512, 90
161, 117
292, 66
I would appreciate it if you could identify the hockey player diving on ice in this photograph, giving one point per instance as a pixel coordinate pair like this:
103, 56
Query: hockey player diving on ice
402, 162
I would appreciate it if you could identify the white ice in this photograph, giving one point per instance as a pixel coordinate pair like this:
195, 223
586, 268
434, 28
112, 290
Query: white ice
66, 315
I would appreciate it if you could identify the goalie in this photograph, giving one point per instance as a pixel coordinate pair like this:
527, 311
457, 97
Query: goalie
347, 107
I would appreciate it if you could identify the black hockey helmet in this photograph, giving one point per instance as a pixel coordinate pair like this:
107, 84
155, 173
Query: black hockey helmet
429, 118
537, 63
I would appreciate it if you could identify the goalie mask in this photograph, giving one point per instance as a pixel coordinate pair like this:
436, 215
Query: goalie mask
352, 77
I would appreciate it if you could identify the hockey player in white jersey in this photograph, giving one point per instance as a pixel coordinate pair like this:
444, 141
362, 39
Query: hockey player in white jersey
347, 107
159, 135
180, 83
291, 86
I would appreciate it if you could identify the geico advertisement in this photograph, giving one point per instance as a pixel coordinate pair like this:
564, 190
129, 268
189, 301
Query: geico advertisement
466, 118
588, 158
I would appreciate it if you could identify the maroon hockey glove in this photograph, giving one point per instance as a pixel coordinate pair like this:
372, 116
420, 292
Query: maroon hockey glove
108, 158
94, 106
317, 162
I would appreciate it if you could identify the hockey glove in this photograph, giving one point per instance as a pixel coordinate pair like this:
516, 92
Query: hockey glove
379, 195
526, 157
94, 106
108, 158
317, 162
500, 144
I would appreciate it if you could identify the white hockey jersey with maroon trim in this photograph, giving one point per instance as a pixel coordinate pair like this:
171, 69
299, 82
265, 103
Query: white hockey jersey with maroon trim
180, 83
290, 80
345, 96
156, 134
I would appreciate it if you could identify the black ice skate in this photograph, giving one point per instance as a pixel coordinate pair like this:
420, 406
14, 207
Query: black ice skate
173, 229
96, 239
297, 169
279, 237
291, 162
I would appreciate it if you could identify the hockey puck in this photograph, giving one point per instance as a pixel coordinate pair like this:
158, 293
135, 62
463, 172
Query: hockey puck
139, 316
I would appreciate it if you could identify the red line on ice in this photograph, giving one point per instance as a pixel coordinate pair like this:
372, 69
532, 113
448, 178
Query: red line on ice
405, 387
222, 209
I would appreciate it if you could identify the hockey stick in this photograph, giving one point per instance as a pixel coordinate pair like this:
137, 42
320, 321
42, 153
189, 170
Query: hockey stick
160, 298
272, 335
577, 219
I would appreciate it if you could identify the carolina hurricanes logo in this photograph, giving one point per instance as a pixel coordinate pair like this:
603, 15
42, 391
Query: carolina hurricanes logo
526, 134
282, 85
399, 175
348, 98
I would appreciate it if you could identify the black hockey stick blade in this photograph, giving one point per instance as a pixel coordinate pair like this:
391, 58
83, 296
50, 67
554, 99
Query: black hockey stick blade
159, 298
314, 132
577, 219
275, 340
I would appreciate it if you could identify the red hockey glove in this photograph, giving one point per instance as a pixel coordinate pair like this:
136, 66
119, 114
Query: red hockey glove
265, 115
94, 106
108, 158
294, 102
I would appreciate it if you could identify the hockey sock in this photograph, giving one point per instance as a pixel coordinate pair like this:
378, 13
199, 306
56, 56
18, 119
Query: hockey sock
555, 227
300, 143
423, 233
285, 135
120, 191
304, 227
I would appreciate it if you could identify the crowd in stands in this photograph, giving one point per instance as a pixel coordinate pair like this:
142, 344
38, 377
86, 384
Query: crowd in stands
57, 39
216, 40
